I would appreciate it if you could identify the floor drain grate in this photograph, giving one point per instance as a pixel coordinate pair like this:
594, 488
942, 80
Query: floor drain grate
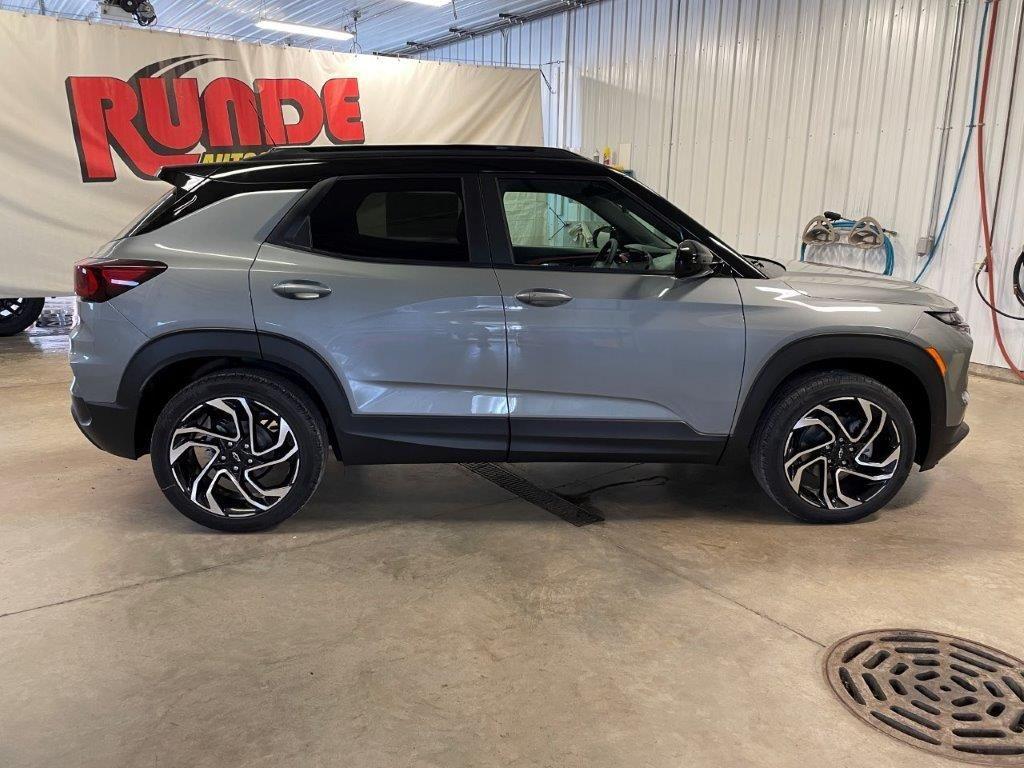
944, 694
524, 489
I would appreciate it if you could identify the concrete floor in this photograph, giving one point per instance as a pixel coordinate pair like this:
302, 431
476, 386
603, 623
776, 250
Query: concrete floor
419, 616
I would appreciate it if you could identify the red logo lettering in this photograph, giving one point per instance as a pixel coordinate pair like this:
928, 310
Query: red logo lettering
341, 105
155, 120
274, 95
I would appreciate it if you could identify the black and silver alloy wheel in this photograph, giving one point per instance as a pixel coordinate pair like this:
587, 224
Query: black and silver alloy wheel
234, 456
841, 453
18, 313
11, 307
833, 446
239, 450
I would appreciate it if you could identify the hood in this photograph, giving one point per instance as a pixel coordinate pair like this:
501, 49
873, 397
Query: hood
822, 281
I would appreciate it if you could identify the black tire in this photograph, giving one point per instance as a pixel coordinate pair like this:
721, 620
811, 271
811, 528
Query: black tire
17, 314
837, 390
263, 394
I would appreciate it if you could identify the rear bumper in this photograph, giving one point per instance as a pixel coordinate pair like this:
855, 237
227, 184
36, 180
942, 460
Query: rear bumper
944, 441
107, 426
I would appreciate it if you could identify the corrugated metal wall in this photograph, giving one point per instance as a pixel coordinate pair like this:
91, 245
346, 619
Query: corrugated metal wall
754, 115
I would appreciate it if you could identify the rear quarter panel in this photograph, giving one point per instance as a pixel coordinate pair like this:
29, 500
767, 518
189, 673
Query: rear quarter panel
102, 343
208, 254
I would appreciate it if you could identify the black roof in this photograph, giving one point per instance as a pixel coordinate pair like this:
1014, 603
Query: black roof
417, 150
294, 164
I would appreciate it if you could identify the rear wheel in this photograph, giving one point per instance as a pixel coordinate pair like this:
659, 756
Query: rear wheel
17, 314
834, 447
239, 450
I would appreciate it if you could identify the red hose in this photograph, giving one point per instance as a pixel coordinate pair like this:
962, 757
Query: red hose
986, 227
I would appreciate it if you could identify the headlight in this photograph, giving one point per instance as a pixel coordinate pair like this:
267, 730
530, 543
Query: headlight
954, 318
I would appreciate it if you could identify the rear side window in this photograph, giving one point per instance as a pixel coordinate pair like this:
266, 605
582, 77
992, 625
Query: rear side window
388, 219
140, 222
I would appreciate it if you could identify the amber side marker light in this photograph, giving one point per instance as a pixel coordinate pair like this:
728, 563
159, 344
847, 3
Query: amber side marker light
934, 354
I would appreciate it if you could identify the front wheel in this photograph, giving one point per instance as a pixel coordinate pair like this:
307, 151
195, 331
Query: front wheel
834, 447
17, 314
239, 450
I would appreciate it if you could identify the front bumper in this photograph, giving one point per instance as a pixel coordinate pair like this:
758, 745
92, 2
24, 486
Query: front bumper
107, 426
943, 441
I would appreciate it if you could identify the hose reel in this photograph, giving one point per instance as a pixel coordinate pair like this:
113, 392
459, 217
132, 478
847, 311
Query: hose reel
819, 230
866, 233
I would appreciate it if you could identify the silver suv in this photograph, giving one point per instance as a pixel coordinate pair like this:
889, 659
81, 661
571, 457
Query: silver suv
450, 304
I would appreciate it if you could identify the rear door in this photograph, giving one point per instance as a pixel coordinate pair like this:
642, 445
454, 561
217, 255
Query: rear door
388, 279
610, 356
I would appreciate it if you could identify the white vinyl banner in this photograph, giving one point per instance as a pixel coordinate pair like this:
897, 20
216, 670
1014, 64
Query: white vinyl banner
91, 112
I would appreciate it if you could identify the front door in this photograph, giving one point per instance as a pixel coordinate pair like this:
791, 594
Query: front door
609, 355
388, 280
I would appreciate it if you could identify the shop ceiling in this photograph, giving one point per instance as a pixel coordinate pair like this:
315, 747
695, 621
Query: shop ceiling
381, 26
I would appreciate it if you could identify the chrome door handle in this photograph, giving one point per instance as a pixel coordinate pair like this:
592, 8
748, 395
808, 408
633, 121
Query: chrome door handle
543, 297
301, 289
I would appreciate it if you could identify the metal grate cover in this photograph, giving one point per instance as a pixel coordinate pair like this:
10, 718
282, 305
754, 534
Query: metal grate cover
524, 489
941, 693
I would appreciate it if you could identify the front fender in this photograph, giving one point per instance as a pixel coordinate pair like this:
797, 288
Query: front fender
884, 355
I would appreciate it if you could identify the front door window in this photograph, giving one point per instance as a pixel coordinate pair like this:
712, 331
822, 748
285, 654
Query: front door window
583, 225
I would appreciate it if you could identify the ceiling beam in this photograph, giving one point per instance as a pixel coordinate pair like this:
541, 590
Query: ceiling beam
501, 22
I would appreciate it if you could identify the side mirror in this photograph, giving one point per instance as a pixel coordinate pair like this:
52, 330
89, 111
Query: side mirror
693, 260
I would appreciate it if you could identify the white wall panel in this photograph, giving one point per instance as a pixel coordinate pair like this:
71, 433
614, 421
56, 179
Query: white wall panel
539, 45
754, 115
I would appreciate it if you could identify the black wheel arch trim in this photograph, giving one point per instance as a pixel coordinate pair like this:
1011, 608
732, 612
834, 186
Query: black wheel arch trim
163, 351
815, 351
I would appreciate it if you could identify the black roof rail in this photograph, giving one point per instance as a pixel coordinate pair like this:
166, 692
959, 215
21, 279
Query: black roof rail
284, 153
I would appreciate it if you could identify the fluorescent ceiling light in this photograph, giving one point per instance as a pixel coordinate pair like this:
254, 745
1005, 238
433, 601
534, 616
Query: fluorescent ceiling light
302, 29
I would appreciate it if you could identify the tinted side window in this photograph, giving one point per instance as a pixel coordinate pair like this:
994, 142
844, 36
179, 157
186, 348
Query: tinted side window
583, 224
389, 219
138, 224
548, 219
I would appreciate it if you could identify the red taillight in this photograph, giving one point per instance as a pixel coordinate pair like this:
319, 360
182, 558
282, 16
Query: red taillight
105, 280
